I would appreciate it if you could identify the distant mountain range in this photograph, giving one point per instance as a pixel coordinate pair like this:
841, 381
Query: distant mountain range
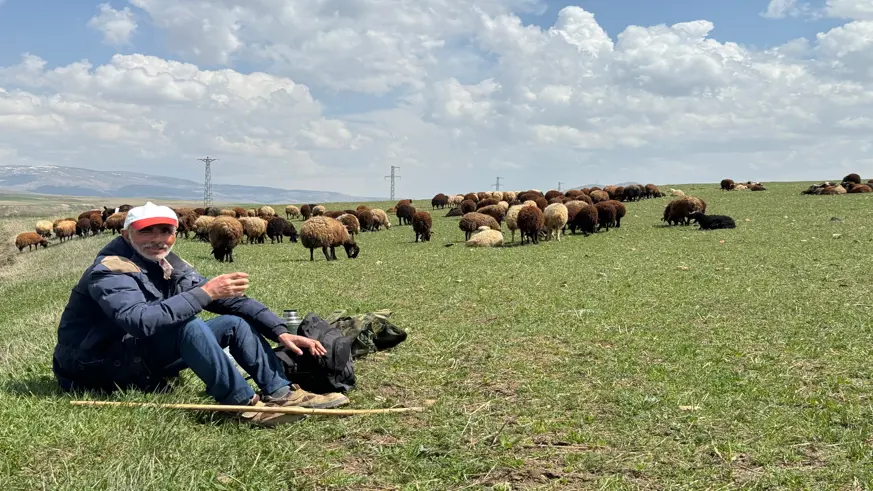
622, 184
75, 181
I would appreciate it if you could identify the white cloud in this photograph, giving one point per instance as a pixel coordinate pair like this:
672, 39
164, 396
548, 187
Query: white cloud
850, 9
465, 93
117, 26
778, 9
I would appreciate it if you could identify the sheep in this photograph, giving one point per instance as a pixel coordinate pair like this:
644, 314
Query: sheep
677, 211
727, 184
471, 222
318, 210
292, 211
212, 211
740, 187
468, 206
186, 224
555, 218
853, 178
495, 211
326, 232
96, 224
306, 212
633, 192
455, 201
351, 222
404, 214
598, 196
255, 229
606, 214
201, 227
421, 224
439, 201
290, 232
653, 191
83, 227
586, 219
757, 187
620, 211
485, 236
509, 196
115, 222
530, 222
454, 212
367, 220
225, 233
44, 228
859, 188
380, 219
65, 229
227, 212
486, 202
266, 212
275, 229
87, 214
251, 212
30, 240
512, 219
677, 192
472, 197
333, 213
553, 193
712, 222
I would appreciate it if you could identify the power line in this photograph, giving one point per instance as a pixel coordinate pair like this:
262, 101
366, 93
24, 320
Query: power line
393, 176
207, 182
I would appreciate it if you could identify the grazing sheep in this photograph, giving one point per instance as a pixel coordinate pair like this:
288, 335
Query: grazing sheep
471, 222
530, 222
29, 240
276, 229
351, 222
96, 224
553, 193
367, 220
306, 212
555, 218
290, 232
292, 211
653, 191
238, 212
266, 212
678, 210
620, 212
186, 224
44, 228
468, 206
512, 219
212, 211
633, 192
65, 229
380, 219
727, 184
115, 222
333, 213
455, 201
509, 196
495, 211
327, 233
485, 236
482, 203
405, 212
598, 196
712, 222
472, 197
87, 214
255, 229
83, 227
586, 219
318, 210
225, 233
201, 227
606, 214
421, 224
677, 192
227, 212
439, 201
251, 213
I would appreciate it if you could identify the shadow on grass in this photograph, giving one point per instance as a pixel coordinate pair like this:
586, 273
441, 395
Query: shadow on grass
39, 386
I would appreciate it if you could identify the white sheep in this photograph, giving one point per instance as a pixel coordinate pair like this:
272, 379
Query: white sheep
511, 218
486, 237
555, 215
677, 192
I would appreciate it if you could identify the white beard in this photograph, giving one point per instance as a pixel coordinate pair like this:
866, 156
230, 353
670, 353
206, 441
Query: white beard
155, 258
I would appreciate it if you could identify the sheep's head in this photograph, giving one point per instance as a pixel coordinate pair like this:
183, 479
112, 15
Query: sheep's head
43, 242
352, 249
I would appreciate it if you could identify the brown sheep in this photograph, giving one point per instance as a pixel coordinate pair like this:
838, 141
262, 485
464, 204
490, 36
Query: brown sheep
351, 222
495, 211
727, 184
239, 211
29, 240
439, 201
421, 224
186, 224
380, 219
225, 233
327, 233
65, 229
620, 211
858, 188
44, 228
482, 203
404, 214
678, 211
652, 191
471, 222
306, 212
468, 206
606, 214
115, 222
367, 220
96, 224
585, 219
541, 202
255, 229
598, 195
292, 211
854, 178
553, 193
201, 227
530, 223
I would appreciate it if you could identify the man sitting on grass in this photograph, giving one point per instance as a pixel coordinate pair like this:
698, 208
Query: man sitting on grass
131, 322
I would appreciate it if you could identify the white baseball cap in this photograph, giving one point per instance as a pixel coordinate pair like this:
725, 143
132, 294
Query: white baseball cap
150, 214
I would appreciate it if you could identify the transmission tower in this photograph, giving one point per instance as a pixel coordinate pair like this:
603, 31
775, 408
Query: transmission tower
393, 176
207, 182
497, 184
559, 185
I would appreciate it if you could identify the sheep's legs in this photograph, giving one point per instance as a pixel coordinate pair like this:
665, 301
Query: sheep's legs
326, 254
311, 252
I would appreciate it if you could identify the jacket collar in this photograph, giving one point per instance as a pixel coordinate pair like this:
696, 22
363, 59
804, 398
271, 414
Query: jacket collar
120, 247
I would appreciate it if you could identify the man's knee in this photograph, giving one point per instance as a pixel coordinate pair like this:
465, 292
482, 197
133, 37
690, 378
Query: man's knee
227, 326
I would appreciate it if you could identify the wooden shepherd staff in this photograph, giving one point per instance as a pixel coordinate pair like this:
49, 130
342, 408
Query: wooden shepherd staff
246, 409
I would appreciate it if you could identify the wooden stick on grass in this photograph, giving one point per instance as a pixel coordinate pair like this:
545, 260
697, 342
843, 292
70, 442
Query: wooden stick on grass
246, 409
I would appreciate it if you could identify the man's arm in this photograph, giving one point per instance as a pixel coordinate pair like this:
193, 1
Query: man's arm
254, 312
120, 298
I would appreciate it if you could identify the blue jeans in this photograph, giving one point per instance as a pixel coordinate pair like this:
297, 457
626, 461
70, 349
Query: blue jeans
199, 345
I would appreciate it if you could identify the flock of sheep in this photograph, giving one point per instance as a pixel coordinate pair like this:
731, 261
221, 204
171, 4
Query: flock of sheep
534, 214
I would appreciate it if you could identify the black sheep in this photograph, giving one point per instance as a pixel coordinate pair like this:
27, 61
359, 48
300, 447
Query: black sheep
276, 229
712, 222
405, 213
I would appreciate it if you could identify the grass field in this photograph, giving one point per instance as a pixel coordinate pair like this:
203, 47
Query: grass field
648, 357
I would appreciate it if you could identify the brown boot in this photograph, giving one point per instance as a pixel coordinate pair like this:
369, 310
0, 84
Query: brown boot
301, 398
267, 419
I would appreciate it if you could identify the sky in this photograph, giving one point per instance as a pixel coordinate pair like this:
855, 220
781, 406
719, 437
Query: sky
329, 94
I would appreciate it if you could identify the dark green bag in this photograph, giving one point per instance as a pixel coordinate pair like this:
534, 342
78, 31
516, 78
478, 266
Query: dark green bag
372, 330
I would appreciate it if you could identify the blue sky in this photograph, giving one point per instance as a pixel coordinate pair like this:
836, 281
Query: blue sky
56, 30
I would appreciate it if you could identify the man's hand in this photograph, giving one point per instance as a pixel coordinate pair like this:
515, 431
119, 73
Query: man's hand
294, 343
227, 285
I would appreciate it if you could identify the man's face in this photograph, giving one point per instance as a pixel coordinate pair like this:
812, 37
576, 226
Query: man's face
153, 242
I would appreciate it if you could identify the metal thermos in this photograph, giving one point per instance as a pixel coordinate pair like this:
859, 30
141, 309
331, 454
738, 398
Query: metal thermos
292, 320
